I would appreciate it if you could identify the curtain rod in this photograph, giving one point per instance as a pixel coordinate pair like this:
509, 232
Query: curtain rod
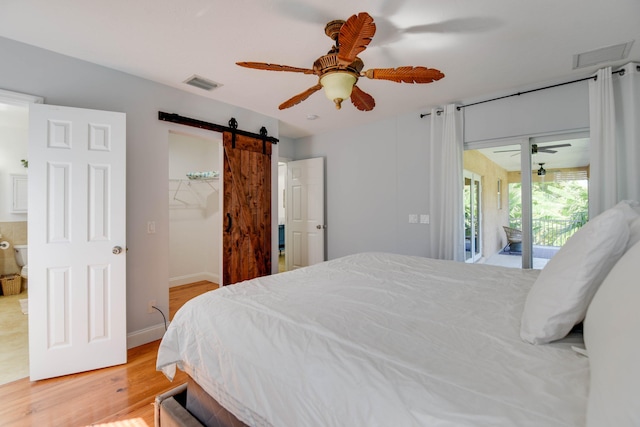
621, 72
187, 121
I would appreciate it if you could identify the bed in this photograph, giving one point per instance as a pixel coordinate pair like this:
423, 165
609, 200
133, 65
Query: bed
379, 339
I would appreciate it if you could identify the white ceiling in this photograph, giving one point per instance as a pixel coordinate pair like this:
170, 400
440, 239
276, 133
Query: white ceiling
483, 47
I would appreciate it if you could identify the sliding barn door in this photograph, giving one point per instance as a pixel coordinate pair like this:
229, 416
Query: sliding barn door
247, 208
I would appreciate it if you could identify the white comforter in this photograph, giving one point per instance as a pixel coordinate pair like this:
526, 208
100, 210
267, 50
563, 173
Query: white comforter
377, 340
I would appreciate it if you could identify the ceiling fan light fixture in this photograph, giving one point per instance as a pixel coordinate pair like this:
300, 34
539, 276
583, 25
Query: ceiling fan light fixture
542, 171
338, 86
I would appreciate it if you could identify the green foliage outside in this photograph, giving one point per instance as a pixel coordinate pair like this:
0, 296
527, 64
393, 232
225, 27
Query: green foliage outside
559, 209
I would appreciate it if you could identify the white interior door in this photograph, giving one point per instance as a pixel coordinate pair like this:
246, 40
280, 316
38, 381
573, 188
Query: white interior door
305, 226
77, 247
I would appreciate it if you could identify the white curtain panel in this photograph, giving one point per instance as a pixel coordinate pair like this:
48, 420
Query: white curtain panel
627, 105
445, 184
614, 107
603, 190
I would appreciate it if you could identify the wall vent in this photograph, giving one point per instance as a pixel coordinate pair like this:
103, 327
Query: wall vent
598, 56
202, 83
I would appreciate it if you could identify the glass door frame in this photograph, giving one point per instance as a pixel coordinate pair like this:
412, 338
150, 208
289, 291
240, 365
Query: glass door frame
475, 241
526, 170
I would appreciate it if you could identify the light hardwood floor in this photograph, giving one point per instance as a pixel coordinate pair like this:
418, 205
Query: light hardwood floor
120, 396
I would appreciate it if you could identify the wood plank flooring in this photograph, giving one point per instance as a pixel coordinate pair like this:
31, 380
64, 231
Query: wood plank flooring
180, 294
112, 397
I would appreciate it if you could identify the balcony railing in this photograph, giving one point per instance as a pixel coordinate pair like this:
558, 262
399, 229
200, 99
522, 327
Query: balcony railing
552, 232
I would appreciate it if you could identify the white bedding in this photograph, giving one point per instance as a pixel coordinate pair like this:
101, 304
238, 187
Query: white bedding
377, 340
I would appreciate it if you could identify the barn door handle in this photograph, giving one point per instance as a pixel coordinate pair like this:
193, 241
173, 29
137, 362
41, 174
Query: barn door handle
229, 222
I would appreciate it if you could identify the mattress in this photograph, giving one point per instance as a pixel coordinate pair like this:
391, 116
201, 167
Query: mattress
377, 339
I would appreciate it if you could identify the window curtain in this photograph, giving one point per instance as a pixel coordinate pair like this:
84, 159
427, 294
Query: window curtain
445, 184
626, 94
603, 190
614, 112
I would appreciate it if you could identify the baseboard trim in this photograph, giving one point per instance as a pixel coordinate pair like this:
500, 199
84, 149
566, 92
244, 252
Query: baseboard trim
191, 278
146, 335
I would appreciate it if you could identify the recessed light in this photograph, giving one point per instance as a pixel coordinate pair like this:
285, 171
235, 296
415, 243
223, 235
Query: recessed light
312, 116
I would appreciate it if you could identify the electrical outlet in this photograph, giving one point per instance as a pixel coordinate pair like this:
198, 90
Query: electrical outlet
150, 305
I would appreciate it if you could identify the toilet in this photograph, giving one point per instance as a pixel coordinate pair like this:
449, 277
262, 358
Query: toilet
21, 259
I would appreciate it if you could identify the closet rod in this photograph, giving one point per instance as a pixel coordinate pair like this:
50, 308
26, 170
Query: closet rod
621, 72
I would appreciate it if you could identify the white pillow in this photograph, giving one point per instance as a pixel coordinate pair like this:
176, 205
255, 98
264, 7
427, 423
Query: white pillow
611, 337
631, 212
634, 233
562, 292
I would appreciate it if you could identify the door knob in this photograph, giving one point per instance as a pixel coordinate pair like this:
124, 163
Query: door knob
116, 250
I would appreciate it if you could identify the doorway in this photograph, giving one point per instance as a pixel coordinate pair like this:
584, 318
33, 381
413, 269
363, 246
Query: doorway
14, 328
194, 208
537, 186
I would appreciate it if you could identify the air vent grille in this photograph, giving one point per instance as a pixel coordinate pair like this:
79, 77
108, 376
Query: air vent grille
602, 55
202, 83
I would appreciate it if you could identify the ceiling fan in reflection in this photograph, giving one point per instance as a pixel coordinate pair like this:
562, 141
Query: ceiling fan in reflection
542, 171
535, 149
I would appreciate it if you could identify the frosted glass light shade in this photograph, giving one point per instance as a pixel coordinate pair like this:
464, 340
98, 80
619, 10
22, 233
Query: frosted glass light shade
338, 86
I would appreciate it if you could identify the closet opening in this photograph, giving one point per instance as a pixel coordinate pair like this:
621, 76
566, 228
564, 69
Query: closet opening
195, 230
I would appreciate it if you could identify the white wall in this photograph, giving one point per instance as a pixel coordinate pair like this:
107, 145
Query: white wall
375, 177
62, 80
553, 110
377, 174
286, 148
194, 210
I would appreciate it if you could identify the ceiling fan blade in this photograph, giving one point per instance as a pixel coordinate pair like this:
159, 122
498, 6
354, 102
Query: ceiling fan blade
355, 34
506, 151
405, 74
543, 150
275, 67
300, 97
546, 147
362, 100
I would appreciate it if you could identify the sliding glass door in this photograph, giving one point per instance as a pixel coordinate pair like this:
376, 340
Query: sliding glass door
535, 197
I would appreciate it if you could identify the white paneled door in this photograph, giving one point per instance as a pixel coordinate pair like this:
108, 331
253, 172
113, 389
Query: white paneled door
305, 226
77, 247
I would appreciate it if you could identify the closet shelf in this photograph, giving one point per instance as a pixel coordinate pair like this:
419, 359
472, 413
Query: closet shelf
191, 193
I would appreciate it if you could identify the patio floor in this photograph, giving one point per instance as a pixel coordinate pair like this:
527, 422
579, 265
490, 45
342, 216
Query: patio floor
541, 256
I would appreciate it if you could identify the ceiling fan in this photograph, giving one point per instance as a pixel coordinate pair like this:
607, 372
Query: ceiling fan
338, 71
535, 149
